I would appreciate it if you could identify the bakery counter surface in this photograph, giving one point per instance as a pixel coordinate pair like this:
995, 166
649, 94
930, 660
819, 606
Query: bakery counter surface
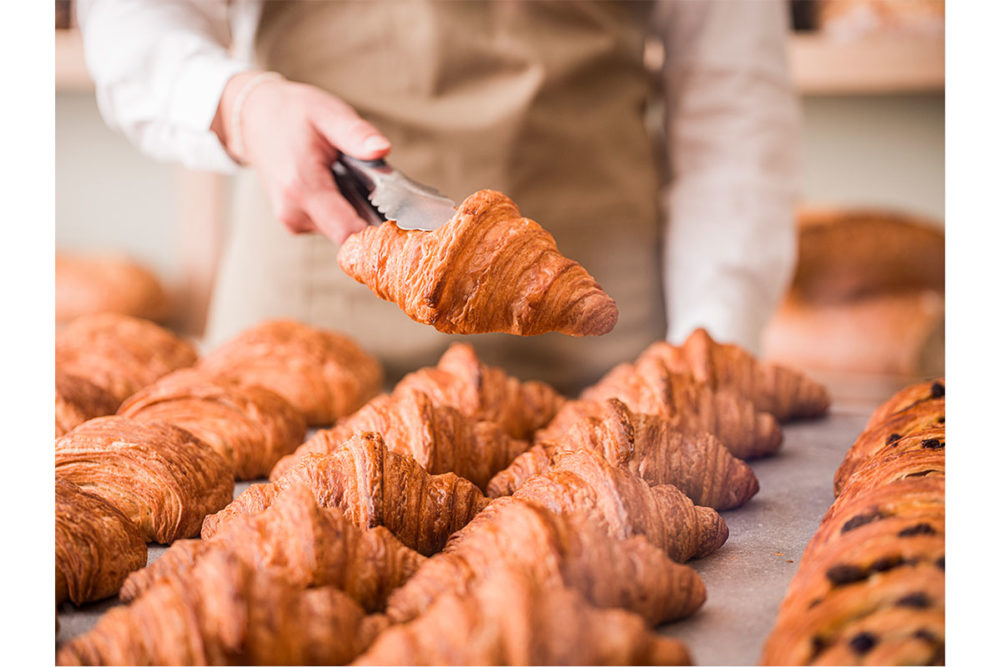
747, 578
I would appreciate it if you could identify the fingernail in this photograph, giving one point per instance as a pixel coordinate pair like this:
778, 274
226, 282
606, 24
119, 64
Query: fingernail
376, 143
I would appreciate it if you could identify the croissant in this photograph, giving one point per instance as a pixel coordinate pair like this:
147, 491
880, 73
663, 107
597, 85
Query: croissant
163, 479
437, 436
227, 613
323, 374
486, 393
77, 400
313, 546
90, 283
648, 386
373, 487
921, 416
120, 354
569, 550
780, 391
487, 269
512, 619
583, 481
647, 446
248, 426
96, 545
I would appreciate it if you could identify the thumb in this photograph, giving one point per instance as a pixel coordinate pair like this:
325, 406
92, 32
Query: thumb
348, 132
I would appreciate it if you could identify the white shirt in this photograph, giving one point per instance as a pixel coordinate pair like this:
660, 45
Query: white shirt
731, 123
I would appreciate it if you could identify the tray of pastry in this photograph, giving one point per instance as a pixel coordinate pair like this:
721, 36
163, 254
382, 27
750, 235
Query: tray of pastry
656, 519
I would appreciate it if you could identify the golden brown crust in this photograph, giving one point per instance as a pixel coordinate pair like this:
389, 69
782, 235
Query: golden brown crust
93, 284
650, 387
96, 545
158, 475
249, 426
918, 417
313, 546
373, 487
647, 446
556, 550
486, 393
847, 254
871, 585
582, 481
323, 374
120, 354
224, 612
77, 400
512, 618
488, 269
437, 436
780, 391
930, 390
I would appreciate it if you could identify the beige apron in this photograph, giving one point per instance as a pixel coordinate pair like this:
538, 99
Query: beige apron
543, 101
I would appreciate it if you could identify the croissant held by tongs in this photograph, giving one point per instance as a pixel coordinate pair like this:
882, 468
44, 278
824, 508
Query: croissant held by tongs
479, 269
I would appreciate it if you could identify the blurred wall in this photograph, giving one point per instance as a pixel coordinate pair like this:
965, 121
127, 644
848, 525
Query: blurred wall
108, 195
886, 150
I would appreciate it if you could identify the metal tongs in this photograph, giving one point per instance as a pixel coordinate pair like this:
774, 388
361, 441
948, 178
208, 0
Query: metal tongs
378, 192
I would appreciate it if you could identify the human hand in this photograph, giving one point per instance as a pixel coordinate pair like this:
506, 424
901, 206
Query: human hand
291, 133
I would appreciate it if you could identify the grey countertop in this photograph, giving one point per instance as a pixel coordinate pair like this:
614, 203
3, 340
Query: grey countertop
747, 578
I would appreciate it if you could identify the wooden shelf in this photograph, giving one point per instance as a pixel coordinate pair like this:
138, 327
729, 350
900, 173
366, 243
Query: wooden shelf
870, 65
71, 73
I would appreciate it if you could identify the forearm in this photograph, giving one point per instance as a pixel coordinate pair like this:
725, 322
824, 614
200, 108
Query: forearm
160, 68
732, 129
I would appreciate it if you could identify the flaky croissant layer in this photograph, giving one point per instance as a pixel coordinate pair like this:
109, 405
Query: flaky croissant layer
488, 269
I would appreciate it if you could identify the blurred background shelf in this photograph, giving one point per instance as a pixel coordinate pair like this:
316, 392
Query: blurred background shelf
876, 64
71, 73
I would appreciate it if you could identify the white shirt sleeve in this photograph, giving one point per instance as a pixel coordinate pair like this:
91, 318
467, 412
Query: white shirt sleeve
732, 131
159, 67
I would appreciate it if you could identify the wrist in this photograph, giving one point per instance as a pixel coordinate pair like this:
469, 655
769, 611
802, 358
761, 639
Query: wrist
228, 122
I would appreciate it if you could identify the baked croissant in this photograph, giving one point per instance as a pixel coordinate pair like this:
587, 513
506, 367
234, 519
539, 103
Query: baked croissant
437, 436
582, 481
96, 545
486, 393
487, 269
510, 618
227, 613
120, 354
313, 546
921, 416
249, 426
323, 374
558, 550
77, 400
780, 391
647, 446
649, 387
161, 477
373, 487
